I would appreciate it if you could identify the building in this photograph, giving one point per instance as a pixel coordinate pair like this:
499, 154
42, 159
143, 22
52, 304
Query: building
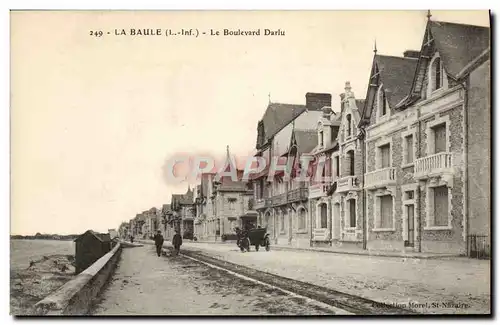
274, 140
223, 204
416, 130
183, 213
290, 202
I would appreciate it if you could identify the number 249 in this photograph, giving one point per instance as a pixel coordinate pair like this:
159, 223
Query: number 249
96, 33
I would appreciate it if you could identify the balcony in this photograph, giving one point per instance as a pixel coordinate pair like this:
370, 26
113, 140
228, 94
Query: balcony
299, 194
279, 199
318, 190
433, 165
259, 204
380, 178
320, 234
347, 183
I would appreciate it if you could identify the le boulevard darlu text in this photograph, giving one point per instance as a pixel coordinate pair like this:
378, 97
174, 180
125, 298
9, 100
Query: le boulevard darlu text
187, 32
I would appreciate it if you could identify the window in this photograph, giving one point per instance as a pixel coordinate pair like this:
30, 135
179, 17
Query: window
441, 206
302, 219
349, 131
320, 138
409, 149
409, 195
282, 222
352, 213
385, 212
350, 161
332, 135
337, 166
436, 74
385, 155
382, 101
440, 138
323, 216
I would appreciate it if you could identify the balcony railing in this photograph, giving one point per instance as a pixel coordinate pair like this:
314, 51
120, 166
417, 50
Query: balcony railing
433, 165
298, 194
380, 178
279, 199
318, 190
321, 234
347, 183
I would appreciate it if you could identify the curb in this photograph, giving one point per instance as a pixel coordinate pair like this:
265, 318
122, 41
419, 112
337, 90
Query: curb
360, 253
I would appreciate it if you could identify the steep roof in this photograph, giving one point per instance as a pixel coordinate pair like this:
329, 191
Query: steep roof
306, 140
279, 115
396, 75
458, 44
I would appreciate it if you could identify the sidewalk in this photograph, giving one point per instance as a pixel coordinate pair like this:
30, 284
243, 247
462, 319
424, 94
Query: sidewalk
337, 250
453, 285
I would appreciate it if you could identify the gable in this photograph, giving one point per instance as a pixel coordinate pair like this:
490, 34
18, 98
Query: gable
457, 45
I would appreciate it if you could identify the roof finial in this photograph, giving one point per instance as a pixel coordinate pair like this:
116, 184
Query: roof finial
375, 47
227, 151
269, 95
429, 14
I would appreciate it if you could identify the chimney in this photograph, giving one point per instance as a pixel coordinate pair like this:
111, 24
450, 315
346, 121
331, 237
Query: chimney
316, 101
411, 54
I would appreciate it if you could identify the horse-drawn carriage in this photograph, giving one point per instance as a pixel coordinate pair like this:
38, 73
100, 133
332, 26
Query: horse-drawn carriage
254, 237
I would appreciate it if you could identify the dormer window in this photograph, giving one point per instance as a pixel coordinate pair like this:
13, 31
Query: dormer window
437, 77
381, 102
349, 123
436, 71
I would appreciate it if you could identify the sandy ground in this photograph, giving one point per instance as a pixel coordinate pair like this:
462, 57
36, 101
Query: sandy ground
432, 283
145, 284
30, 285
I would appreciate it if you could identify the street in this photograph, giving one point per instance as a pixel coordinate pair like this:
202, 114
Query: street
453, 285
145, 284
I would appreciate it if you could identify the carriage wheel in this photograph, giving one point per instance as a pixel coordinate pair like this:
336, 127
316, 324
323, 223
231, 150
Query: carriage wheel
268, 244
257, 247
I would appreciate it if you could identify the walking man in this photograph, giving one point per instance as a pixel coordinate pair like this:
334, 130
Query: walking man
158, 238
177, 242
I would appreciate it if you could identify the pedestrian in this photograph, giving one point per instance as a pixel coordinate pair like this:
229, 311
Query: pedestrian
177, 242
158, 238
132, 239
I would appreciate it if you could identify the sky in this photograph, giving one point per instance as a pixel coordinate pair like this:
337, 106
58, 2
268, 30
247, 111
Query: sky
94, 119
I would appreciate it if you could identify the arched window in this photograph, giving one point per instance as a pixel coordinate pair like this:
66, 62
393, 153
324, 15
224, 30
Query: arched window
436, 74
349, 130
382, 101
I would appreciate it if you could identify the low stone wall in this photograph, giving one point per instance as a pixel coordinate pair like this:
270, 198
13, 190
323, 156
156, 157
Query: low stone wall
76, 296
